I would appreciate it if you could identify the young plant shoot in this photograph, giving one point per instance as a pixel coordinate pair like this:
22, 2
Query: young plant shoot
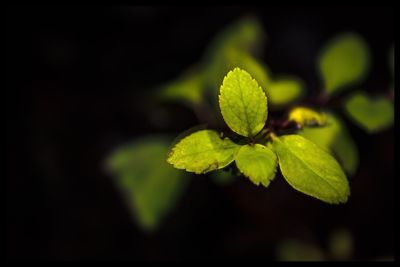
306, 166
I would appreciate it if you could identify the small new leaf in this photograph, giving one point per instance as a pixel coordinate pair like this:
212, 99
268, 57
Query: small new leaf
344, 61
310, 169
373, 115
307, 117
202, 151
258, 163
243, 103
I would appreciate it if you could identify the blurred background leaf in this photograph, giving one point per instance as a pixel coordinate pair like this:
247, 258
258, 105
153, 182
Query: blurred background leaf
295, 250
345, 60
335, 138
373, 114
187, 89
222, 177
341, 244
284, 90
150, 186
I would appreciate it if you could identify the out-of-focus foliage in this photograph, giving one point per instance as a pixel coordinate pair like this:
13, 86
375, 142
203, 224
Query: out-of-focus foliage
187, 89
236, 46
310, 169
202, 152
149, 185
341, 244
335, 138
222, 177
294, 250
243, 103
307, 117
284, 90
258, 163
372, 114
344, 61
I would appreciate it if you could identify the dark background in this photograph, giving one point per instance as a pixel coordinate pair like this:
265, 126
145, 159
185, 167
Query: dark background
74, 80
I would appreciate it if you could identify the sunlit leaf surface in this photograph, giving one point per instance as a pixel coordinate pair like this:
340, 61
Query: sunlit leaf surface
243, 103
258, 163
311, 170
335, 138
202, 151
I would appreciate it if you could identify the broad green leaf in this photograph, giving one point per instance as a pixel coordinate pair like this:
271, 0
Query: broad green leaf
310, 169
344, 61
294, 250
202, 151
306, 116
243, 103
372, 114
335, 138
283, 91
149, 185
189, 88
257, 162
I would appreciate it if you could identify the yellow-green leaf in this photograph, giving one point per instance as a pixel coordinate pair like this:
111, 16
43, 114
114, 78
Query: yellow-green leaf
307, 117
344, 61
335, 138
372, 114
310, 169
149, 185
243, 103
202, 151
283, 91
189, 88
258, 163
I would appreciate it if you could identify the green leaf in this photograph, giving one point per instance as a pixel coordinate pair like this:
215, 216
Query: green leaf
310, 169
222, 177
341, 244
372, 114
335, 138
258, 163
344, 61
202, 151
189, 88
245, 35
306, 116
283, 91
243, 103
151, 188
294, 250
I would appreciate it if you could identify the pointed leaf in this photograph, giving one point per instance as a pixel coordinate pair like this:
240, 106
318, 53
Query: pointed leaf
149, 185
243, 103
372, 114
345, 60
258, 163
310, 169
202, 151
335, 138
